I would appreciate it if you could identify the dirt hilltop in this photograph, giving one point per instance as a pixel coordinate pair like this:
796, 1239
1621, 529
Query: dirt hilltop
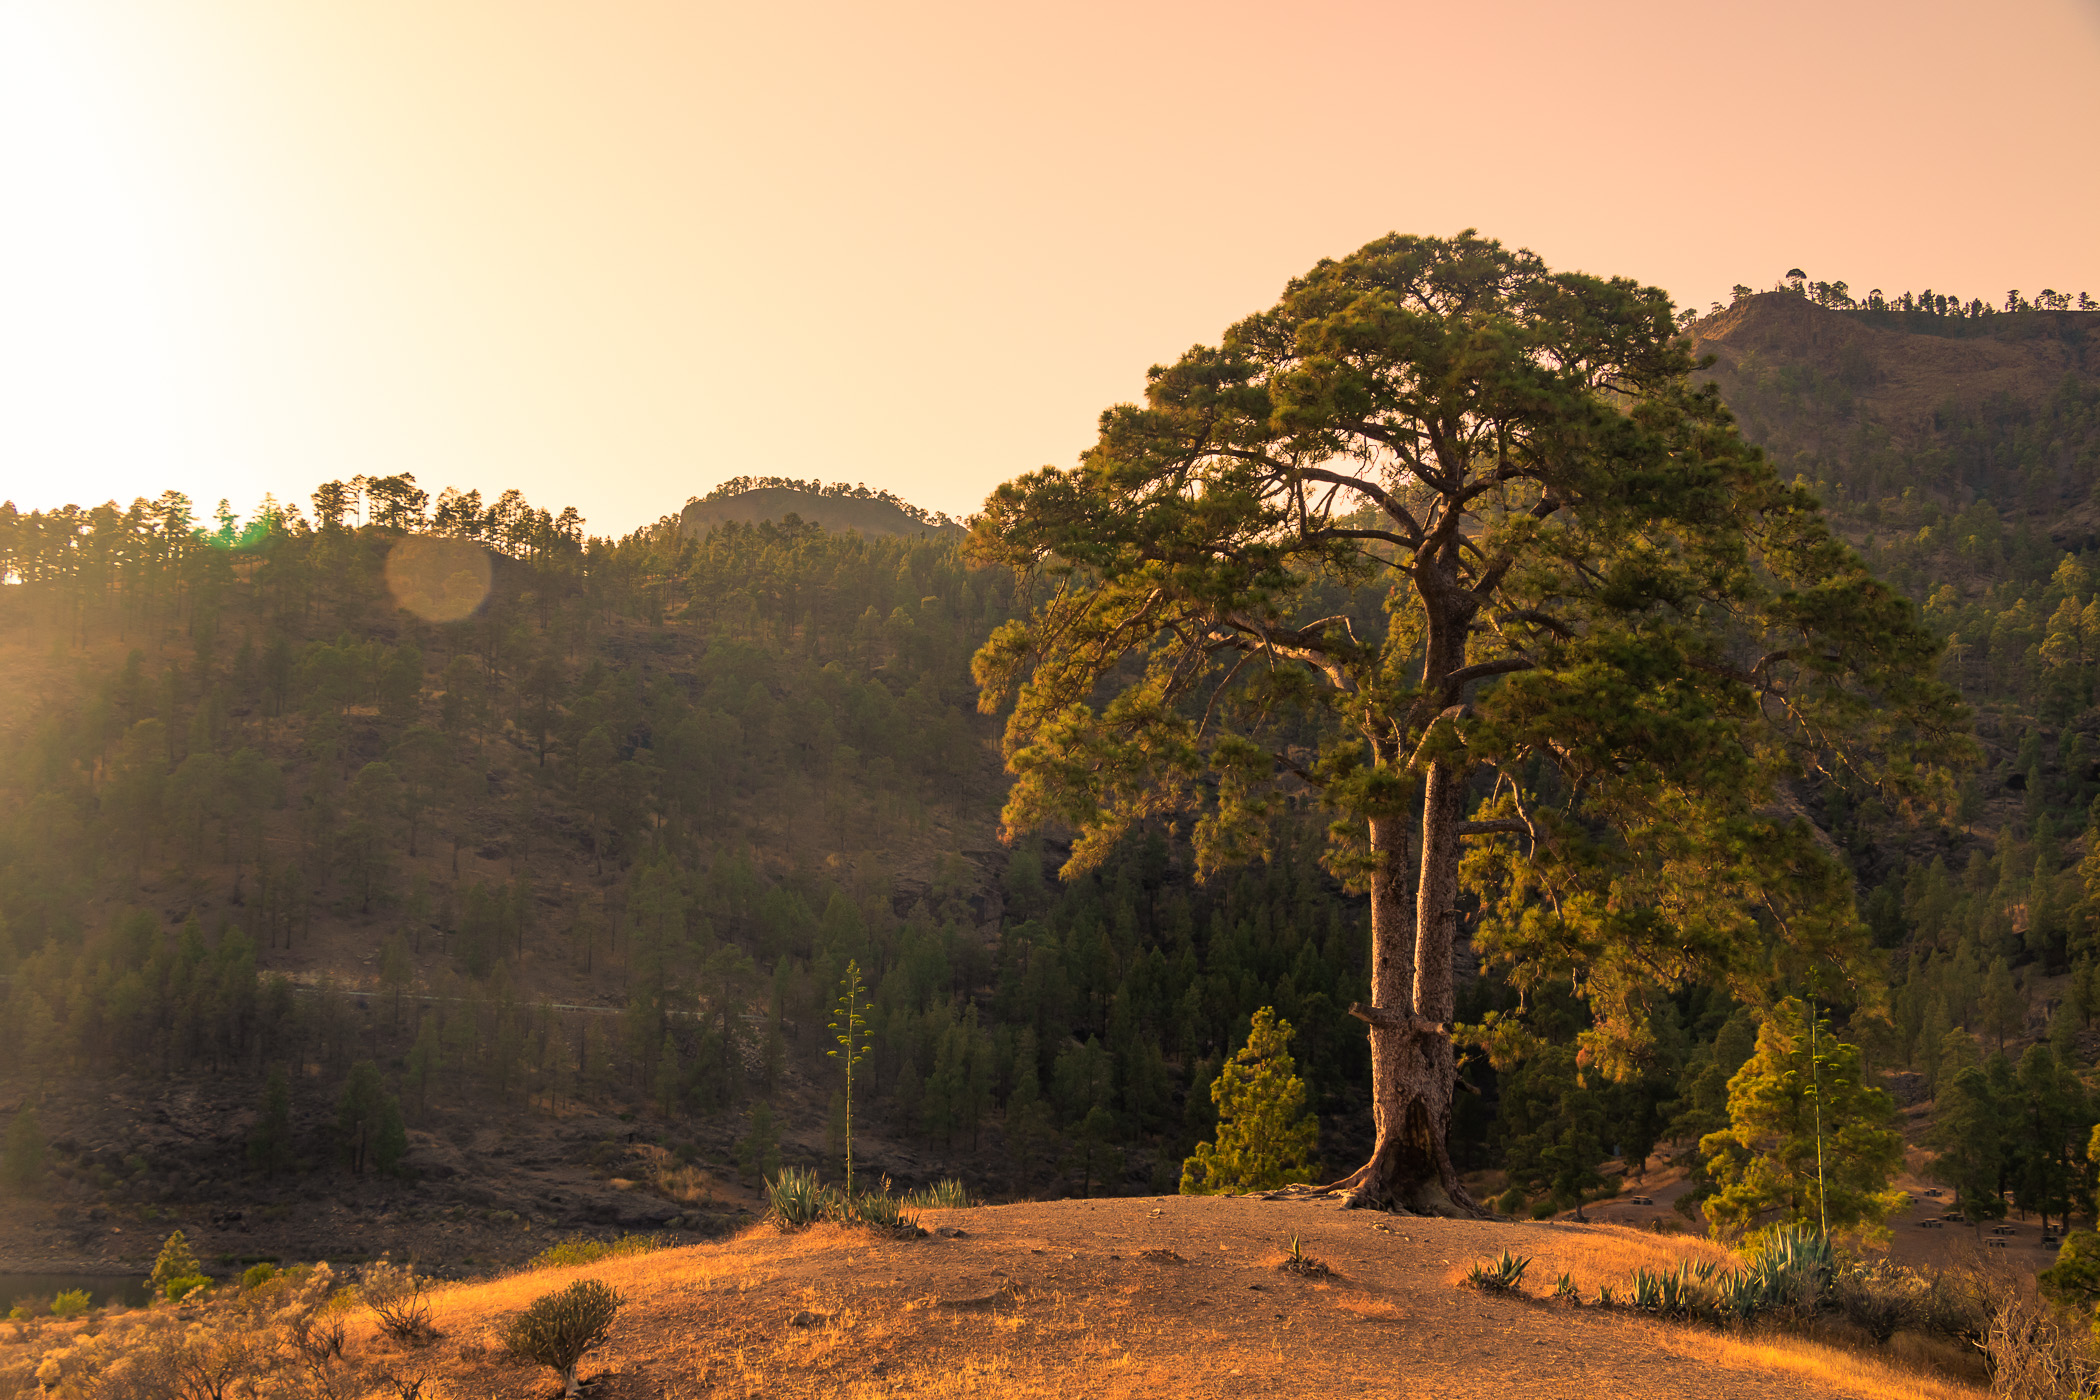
1900, 373
870, 517
1151, 1296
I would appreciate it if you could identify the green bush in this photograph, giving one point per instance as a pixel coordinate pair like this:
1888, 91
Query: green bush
582, 1249
177, 1289
561, 1328
256, 1275
71, 1303
2074, 1279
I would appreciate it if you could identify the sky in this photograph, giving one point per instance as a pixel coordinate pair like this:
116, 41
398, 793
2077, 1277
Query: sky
614, 253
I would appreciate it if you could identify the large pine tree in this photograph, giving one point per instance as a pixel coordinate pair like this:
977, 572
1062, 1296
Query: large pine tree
1452, 544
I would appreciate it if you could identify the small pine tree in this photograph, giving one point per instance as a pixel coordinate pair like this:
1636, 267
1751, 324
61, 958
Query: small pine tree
669, 1077
2004, 1006
2074, 1280
358, 1114
424, 1058
270, 1141
396, 971
22, 1165
1806, 1136
758, 1154
176, 1271
390, 1138
1266, 1136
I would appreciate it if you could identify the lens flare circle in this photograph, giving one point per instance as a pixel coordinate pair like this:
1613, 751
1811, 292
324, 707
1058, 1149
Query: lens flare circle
437, 579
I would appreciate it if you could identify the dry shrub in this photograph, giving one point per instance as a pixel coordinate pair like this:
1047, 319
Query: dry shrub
396, 1295
2039, 1352
1881, 1299
270, 1341
684, 1183
560, 1328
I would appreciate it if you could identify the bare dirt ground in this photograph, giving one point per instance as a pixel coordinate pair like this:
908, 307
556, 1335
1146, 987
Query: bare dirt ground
1160, 1296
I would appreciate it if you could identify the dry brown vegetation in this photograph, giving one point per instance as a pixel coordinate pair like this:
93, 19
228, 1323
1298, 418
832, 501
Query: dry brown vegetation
1164, 1296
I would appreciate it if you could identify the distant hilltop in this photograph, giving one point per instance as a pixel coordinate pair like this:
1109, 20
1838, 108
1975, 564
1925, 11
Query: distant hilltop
1924, 413
1893, 366
837, 507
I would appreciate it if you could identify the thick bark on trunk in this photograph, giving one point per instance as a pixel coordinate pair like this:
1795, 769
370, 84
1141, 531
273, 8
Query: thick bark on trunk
1413, 1068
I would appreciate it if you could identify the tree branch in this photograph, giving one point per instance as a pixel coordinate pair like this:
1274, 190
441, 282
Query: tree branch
1386, 1018
1481, 670
1337, 533
1387, 501
1496, 827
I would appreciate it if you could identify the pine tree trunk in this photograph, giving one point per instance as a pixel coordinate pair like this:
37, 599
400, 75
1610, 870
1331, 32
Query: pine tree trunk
1413, 1069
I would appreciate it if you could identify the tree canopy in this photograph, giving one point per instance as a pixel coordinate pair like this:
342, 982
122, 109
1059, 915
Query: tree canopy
1454, 546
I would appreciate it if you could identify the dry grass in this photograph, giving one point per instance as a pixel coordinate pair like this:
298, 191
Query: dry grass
1871, 1376
1055, 1301
1116, 1300
1606, 1254
1596, 1255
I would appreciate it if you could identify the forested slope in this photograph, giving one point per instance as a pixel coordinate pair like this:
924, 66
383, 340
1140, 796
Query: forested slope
607, 842
1959, 448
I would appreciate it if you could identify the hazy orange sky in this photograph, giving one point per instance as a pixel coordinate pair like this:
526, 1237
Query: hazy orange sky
612, 253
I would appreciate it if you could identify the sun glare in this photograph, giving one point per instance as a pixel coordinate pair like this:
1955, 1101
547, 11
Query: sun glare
88, 360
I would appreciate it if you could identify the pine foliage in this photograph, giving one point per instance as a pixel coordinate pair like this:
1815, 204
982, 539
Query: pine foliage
1266, 1136
1807, 1138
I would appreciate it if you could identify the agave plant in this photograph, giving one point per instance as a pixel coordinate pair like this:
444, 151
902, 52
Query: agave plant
1647, 1290
883, 1211
795, 1199
945, 1194
1565, 1291
1673, 1293
1505, 1275
1795, 1268
1741, 1295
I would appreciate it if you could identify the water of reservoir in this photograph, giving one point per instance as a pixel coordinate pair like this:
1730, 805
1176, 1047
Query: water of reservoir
129, 1289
